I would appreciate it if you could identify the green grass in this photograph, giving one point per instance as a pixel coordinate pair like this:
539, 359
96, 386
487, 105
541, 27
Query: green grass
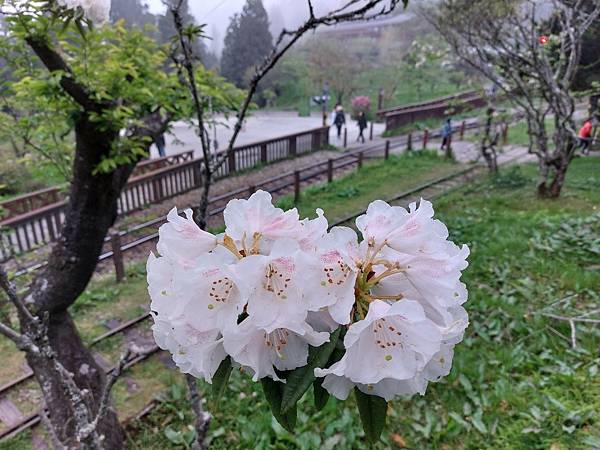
518, 134
515, 382
354, 191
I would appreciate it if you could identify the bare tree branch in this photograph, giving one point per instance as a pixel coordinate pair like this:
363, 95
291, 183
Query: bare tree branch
500, 39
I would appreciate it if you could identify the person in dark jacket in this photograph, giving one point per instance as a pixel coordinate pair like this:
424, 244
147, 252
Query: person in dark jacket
159, 140
362, 126
339, 120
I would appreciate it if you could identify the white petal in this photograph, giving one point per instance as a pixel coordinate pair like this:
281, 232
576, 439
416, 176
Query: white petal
182, 239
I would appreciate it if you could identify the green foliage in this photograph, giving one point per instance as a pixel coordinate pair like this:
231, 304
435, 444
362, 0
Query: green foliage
373, 410
15, 177
124, 69
509, 178
575, 237
247, 42
299, 380
220, 379
273, 391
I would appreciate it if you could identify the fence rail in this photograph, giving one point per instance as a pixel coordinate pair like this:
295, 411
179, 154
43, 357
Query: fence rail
424, 104
397, 117
287, 183
179, 175
33, 201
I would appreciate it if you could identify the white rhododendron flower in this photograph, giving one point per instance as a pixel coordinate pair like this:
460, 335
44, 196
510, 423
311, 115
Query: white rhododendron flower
262, 352
95, 10
393, 341
182, 239
272, 286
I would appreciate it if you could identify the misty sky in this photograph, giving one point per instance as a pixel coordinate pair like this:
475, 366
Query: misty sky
216, 13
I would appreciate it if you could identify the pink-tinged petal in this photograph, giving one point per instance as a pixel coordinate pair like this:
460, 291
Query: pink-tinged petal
393, 341
244, 218
312, 231
181, 239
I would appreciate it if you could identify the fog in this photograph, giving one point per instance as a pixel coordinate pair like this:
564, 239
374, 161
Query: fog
216, 13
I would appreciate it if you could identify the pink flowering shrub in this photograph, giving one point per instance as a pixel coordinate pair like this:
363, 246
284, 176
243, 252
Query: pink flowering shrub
361, 103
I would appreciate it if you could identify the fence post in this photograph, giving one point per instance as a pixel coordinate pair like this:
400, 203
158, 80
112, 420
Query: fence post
115, 242
197, 174
360, 160
296, 186
409, 142
325, 137
425, 138
371, 132
292, 146
387, 149
263, 153
231, 158
329, 170
505, 134
345, 137
462, 130
158, 190
449, 154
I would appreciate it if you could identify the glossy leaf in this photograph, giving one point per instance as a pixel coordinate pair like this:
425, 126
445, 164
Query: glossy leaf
273, 393
220, 379
321, 395
373, 411
299, 380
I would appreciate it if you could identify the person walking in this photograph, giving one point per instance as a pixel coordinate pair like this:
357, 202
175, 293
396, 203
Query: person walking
159, 140
446, 134
585, 136
339, 120
362, 126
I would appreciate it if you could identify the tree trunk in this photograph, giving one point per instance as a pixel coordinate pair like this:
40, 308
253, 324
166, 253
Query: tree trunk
91, 211
557, 170
75, 357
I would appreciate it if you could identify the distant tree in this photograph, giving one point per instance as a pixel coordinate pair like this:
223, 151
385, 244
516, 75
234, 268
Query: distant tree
166, 31
133, 12
247, 42
329, 61
500, 39
589, 69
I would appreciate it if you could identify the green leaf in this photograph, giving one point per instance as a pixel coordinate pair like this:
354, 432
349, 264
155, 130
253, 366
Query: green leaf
174, 436
299, 380
320, 393
273, 393
220, 379
373, 411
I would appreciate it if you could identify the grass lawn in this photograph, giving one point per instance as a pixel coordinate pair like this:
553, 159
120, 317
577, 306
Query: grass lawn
516, 382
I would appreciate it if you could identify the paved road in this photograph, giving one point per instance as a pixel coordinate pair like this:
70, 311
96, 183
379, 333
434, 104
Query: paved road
258, 127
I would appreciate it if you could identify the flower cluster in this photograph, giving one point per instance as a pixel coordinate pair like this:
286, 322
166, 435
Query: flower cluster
95, 10
273, 284
361, 104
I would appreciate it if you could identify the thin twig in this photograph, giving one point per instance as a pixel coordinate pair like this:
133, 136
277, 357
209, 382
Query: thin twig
573, 319
573, 334
203, 418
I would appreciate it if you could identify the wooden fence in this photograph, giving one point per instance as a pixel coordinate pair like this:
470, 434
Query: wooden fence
30, 230
29, 202
397, 117
35, 200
